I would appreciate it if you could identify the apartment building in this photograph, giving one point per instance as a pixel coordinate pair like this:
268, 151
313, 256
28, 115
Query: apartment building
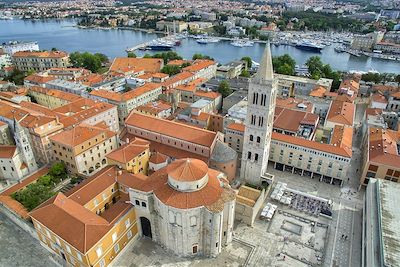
40, 61
90, 224
366, 42
394, 102
83, 148
36, 125
340, 113
51, 98
133, 156
202, 68
68, 86
14, 47
90, 112
37, 80
381, 158
327, 162
130, 100
294, 85
159, 108
13, 168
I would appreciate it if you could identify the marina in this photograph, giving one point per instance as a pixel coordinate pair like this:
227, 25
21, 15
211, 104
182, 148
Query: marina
63, 35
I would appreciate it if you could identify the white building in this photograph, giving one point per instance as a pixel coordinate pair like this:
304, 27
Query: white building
5, 60
186, 207
13, 47
259, 121
12, 165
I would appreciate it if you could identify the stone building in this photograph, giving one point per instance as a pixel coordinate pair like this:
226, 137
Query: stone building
40, 61
259, 122
185, 207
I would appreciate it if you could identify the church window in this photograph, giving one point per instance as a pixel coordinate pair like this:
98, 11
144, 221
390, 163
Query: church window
249, 155
256, 157
258, 139
193, 221
251, 137
254, 98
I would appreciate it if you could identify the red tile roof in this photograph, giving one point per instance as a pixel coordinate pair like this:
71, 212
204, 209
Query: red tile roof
146, 64
187, 170
383, 147
7, 152
128, 152
172, 129
341, 113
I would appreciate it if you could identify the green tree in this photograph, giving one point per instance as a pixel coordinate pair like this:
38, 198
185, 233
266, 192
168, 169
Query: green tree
248, 60
318, 69
167, 56
92, 62
131, 55
245, 73
58, 170
54, 49
17, 76
397, 79
200, 56
224, 88
33, 195
284, 64
171, 69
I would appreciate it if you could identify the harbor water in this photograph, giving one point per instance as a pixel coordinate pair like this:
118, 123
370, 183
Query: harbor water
63, 35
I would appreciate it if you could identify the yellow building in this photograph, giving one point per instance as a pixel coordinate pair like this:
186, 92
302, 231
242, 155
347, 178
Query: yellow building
133, 157
52, 98
40, 60
91, 224
83, 148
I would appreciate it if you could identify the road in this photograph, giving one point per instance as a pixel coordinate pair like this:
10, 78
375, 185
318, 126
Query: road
18, 248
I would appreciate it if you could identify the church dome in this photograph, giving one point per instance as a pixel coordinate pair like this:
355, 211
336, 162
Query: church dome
187, 174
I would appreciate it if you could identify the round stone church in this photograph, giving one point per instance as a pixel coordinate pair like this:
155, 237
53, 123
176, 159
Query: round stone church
186, 207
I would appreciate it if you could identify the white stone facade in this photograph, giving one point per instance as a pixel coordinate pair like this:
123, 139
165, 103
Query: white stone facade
259, 121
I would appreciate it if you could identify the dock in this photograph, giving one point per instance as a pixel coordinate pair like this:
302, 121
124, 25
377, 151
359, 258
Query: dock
137, 47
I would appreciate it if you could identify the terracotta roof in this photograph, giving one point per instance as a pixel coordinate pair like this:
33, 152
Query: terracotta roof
199, 65
341, 113
345, 98
206, 94
236, 127
383, 147
39, 79
117, 97
212, 196
351, 84
158, 158
395, 95
44, 54
80, 134
178, 62
383, 88
128, 152
187, 170
181, 78
379, 98
154, 107
290, 120
24, 116
294, 103
66, 216
343, 137
310, 144
373, 111
172, 129
72, 222
147, 64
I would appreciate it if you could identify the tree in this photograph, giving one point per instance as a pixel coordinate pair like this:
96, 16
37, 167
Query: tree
54, 49
248, 60
167, 56
16, 76
318, 69
245, 73
131, 55
200, 56
171, 69
58, 170
397, 79
224, 89
92, 62
284, 64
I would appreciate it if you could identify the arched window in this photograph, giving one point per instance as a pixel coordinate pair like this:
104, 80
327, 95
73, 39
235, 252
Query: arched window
251, 137
249, 155
256, 157
258, 139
